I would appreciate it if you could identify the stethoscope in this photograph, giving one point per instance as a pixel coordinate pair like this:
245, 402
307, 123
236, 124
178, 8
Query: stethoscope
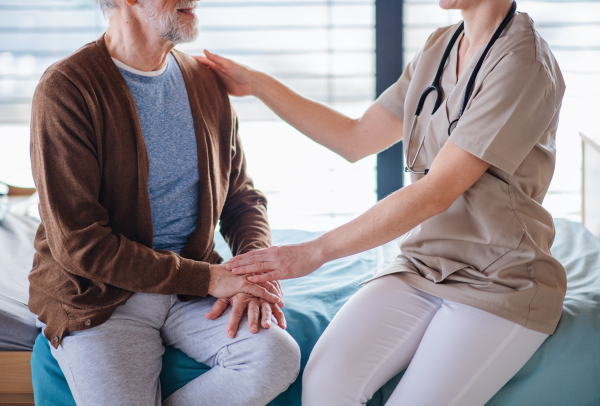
436, 86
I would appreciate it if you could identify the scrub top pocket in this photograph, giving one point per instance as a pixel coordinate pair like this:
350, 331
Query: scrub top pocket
479, 228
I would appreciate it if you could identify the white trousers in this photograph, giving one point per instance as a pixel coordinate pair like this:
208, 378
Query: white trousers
455, 354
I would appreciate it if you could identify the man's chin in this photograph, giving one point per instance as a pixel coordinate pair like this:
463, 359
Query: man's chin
188, 28
183, 35
193, 36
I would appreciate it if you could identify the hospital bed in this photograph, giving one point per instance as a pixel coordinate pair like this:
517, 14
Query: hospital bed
590, 186
17, 324
565, 371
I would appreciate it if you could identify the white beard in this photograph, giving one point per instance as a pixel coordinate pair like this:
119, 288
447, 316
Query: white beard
169, 26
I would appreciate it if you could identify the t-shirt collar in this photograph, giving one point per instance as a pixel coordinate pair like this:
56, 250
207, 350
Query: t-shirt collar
128, 68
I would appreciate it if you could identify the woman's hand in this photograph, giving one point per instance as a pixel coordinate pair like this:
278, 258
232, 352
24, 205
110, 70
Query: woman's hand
237, 78
223, 284
275, 263
352, 139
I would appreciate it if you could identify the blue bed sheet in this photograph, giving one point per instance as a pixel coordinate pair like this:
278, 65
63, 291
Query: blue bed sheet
565, 371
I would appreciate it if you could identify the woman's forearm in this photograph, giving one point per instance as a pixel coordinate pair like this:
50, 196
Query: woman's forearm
386, 221
389, 219
317, 121
452, 173
353, 139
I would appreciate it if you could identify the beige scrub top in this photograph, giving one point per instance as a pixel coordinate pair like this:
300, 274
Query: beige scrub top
491, 248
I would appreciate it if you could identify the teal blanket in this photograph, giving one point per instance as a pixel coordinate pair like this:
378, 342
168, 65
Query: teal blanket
565, 371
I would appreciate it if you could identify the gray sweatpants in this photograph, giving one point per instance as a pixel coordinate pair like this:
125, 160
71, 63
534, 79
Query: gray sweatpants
119, 362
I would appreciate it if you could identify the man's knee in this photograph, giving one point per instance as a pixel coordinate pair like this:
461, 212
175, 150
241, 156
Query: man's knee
282, 361
277, 364
286, 358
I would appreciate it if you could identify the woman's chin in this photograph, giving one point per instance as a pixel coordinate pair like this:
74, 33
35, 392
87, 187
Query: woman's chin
449, 4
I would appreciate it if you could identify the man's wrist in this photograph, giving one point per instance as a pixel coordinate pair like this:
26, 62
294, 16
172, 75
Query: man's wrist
213, 270
194, 278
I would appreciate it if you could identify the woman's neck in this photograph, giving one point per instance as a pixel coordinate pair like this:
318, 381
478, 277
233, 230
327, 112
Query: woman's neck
481, 21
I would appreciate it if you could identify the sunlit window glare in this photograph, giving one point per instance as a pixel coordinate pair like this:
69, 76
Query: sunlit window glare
323, 49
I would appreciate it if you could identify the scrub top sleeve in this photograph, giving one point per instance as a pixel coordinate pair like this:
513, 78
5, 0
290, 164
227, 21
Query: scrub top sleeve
509, 114
392, 100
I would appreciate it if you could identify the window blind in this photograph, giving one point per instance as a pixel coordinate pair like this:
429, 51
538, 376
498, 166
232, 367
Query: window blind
323, 49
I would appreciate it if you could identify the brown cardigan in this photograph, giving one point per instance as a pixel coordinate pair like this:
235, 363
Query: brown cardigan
94, 244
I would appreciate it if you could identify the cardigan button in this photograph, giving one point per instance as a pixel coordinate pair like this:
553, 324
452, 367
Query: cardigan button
87, 322
55, 339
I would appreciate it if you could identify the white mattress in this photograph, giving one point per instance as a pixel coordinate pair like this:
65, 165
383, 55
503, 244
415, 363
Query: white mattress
17, 323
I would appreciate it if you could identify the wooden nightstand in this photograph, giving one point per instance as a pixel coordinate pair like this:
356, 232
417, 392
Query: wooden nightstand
15, 371
590, 187
15, 379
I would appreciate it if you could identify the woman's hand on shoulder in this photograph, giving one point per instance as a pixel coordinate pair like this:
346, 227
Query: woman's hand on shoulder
276, 263
236, 77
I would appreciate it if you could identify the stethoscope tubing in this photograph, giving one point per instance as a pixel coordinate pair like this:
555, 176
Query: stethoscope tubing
497, 33
436, 86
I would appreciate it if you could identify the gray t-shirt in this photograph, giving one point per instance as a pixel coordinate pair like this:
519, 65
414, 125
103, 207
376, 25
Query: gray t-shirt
168, 128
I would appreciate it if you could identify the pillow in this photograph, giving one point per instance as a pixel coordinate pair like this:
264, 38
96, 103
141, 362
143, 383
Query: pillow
3, 201
17, 323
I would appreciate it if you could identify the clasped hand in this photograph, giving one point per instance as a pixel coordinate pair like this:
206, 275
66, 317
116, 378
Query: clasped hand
261, 300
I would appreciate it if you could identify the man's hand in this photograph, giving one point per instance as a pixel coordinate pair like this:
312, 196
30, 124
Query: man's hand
255, 307
223, 284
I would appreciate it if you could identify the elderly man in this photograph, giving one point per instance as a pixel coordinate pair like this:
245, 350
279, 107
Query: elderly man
136, 156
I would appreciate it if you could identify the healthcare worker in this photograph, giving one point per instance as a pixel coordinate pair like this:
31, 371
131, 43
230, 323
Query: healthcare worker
476, 290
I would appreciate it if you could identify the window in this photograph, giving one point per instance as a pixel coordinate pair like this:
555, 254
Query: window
33, 35
322, 48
